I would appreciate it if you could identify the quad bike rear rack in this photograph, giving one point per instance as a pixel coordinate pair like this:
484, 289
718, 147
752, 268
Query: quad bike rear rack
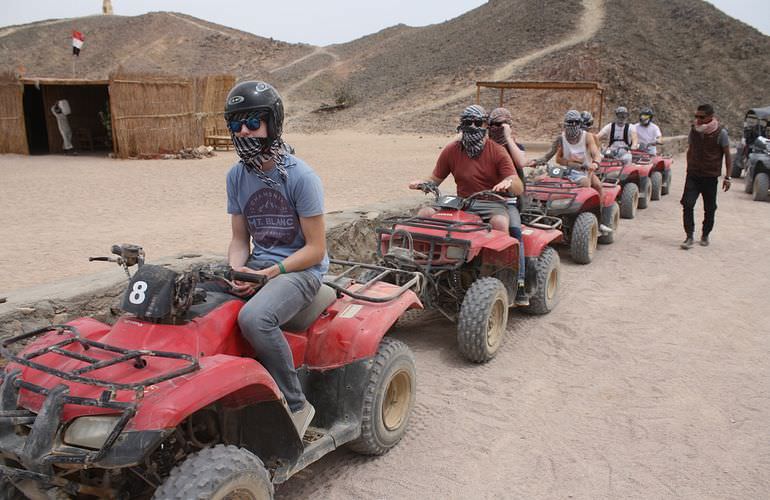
341, 282
45, 424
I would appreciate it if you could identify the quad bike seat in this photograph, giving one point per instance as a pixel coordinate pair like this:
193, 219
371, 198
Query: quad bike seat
305, 317
298, 323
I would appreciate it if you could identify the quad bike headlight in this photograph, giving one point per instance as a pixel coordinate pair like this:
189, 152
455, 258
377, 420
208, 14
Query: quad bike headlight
560, 203
453, 252
89, 432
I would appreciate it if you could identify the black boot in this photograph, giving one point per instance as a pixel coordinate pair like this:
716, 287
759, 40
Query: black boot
687, 243
521, 299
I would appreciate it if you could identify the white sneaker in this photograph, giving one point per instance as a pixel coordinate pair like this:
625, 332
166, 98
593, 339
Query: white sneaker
605, 229
302, 418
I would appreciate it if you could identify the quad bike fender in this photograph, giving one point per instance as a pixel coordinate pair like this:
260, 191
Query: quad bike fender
662, 163
611, 195
645, 169
354, 331
588, 200
230, 380
536, 239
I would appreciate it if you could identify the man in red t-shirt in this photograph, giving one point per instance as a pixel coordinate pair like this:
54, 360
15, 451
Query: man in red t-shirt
478, 164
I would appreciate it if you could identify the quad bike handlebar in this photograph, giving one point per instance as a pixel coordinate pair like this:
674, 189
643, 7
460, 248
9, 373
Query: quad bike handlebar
486, 195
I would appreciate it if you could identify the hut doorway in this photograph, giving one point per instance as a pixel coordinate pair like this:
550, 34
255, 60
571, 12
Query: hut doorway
89, 118
34, 120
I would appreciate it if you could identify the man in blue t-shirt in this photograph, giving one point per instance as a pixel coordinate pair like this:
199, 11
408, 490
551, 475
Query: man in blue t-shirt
275, 202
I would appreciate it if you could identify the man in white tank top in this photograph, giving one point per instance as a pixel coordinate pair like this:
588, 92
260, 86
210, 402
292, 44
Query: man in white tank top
578, 151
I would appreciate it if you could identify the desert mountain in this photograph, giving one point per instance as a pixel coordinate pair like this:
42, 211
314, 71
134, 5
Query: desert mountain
670, 54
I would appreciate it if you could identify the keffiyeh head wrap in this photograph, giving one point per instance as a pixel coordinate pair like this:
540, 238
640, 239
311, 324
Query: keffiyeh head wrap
473, 136
499, 115
572, 128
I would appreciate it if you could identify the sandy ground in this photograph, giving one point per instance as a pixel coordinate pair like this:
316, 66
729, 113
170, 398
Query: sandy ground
649, 380
58, 210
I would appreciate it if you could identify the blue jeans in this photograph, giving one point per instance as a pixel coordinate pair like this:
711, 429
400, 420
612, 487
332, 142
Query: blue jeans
261, 317
514, 229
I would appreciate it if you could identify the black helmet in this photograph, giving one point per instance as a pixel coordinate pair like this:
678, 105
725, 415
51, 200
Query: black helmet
645, 115
257, 96
586, 120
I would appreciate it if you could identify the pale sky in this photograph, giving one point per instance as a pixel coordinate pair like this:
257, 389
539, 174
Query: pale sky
318, 22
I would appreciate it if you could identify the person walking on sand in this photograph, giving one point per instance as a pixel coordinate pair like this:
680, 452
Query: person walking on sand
708, 144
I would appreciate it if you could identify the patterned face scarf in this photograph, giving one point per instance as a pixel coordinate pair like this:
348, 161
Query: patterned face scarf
572, 123
497, 117
474, 135
255, 152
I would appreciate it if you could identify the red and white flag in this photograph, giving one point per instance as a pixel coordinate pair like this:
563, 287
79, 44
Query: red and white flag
77, 42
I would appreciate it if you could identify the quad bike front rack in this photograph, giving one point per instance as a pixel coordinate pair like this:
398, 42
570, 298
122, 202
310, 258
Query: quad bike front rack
610, 171
44, 425
401, 252
542, 196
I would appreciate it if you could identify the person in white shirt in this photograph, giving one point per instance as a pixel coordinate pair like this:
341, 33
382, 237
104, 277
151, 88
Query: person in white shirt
647, 132
620, 135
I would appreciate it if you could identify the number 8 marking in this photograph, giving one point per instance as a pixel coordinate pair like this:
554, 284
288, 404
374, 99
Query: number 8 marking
137, 293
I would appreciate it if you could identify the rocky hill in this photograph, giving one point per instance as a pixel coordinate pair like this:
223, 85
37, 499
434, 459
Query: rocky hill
670, 54
162, 42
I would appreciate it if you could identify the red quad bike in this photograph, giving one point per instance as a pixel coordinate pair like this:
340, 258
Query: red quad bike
660, 175
577, 211
470, 269
633, 177
169, 402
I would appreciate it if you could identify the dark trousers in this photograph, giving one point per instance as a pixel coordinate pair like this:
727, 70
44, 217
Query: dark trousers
695, 186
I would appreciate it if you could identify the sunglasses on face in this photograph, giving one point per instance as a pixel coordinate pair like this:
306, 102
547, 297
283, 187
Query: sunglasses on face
645, 117
252, 123
475, 122
497, 124
572, 123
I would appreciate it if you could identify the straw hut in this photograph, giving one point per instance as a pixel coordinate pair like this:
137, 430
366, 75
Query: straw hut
128, 115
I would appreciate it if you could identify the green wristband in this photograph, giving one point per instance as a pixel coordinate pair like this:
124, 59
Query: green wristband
281, 268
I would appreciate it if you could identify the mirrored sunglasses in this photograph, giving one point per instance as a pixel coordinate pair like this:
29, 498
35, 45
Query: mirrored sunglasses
252, 123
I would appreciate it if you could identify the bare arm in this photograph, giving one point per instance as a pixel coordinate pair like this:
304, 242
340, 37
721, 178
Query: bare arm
238, 251
560, 156
431, 178
548, 155
314, 230
512, 184
728, 168
517, 155
593, 148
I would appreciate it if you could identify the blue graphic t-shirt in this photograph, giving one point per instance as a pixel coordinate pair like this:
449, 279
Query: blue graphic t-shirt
272, 214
